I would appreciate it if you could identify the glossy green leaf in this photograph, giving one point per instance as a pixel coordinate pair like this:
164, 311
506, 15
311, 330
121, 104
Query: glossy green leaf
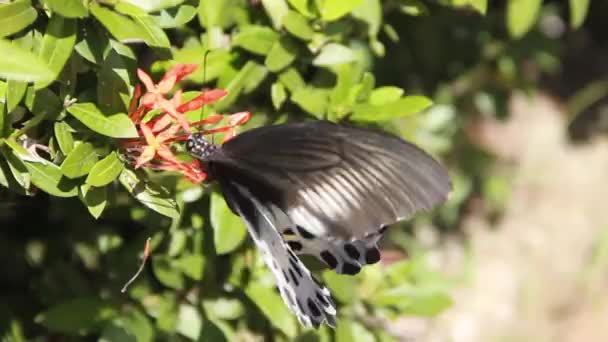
305, 7
77, 316
578, 12
352, 331
105, 170
15, 90
281, 55
176, 17
278, 95
116, 73
57, 45
370, 12
69, 8
79, 161
333, 53
165, 271
521, 16
63, 135
154, 5
149, 194
298, 25
95, 199
49, 178
153, 33
115, 126
236, 85
402, 107
384, 95
416, 300
191, 265
17, 168
291, 79
92, 45
256, 39
273, 307
15, 16
312, 100
43, 103
276, 10
215, 13
21, 65
228, 229
335, 9
141, 28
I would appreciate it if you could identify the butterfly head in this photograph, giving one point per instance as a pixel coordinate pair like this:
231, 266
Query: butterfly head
199, 147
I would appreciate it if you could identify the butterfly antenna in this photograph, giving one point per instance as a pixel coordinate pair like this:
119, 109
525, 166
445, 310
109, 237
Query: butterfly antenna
205, 65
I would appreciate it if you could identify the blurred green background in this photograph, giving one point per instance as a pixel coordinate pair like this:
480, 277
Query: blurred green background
509, 95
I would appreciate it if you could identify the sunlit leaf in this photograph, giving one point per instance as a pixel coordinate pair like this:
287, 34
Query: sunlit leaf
228, 229
521, 16
21, 65
15, 16
273, 307
105, 170
57, 45
149, 194
79, 161
115, 126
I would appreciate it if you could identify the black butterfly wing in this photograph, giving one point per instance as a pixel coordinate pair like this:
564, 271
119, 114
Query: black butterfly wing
332, 180
309, 300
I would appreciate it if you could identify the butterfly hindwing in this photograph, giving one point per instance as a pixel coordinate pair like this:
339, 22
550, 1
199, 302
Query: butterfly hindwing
309, 300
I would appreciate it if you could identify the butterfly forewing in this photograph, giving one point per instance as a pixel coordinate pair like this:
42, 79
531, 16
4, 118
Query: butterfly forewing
336, 181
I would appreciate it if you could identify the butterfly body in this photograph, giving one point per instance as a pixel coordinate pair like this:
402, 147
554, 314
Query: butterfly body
325, 189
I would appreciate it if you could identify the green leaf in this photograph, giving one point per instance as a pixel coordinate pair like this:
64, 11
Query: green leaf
153, 34
115, 126
15, 16
57, 45
291, 79
228, 229
343, 287
339, 95
154, 5
94, 198
236, 85
278, 94
578, 12
333, 53
402, 107
521, 16
224, 308
312, 100
63, 135
15, 90
352, 331
298, 25
49, 178
77, 316
142, 29
273, 307
303, 6
17, 168
414, 299
68, 8
44, 103
256, 39
370, 12
21, 65
281, 55
335, 9
80, 161
191, 265
384, 95
114, 79
215, 13
105, 170
175, 17
149, 194
276, 10
164, 270
189, 322
92, 45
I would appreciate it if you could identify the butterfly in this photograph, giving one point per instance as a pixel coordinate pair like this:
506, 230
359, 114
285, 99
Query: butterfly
322, 189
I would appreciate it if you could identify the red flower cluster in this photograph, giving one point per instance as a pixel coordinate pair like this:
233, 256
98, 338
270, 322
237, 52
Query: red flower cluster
153, 147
